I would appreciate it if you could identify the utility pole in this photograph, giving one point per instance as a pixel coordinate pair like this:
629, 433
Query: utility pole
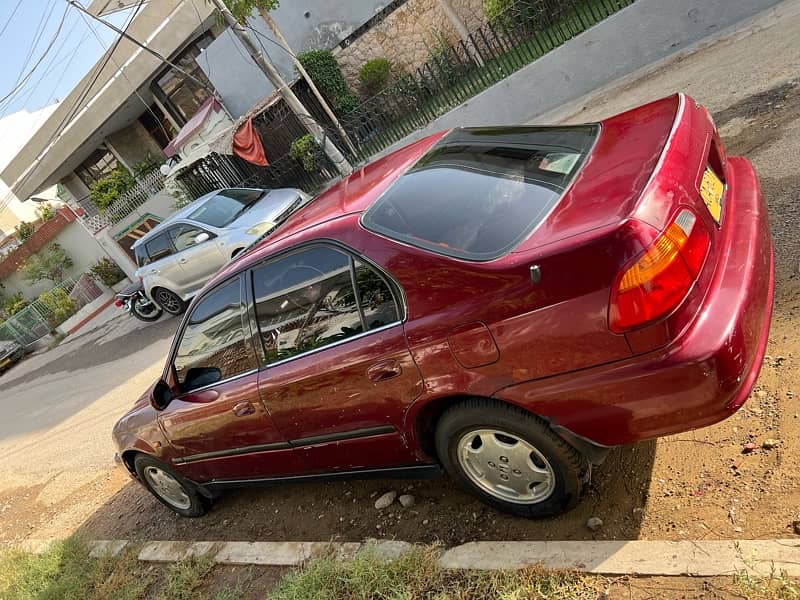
304, 74
330, 149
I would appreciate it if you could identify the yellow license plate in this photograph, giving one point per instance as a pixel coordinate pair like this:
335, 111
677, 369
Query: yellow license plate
4, 362
711, 190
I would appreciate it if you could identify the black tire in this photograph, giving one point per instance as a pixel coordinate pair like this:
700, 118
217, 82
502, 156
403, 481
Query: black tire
196, 504
154, 315
169, 301
566, 465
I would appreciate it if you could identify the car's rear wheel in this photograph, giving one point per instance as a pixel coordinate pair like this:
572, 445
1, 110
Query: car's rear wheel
509, 458
172, 490
169, 301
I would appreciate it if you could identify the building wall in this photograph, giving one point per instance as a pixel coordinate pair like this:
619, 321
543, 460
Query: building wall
233, 73
133, 144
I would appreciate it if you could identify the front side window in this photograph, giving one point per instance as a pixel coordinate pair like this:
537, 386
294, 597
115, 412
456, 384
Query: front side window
214, 346
307, 300
477, 193
184, 236
159, 247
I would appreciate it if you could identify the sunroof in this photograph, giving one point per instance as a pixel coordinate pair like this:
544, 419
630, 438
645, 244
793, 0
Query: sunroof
478, 192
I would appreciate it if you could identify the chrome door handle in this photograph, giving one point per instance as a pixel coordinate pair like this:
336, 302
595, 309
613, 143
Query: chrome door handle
242, 409
182, 261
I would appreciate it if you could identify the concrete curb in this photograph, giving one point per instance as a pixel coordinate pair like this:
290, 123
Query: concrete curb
703, 558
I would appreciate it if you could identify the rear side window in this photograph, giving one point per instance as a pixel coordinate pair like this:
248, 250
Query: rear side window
479, 192
141, 256
159, 247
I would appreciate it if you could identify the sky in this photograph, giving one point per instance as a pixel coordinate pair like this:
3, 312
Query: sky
27, 27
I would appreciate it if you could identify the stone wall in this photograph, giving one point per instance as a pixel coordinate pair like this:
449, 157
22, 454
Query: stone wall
406, 36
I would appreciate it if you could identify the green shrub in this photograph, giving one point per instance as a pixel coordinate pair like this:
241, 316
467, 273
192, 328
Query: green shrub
25, 230
59, 306
146, 166
325, 72
14, 303
374, 75
46, 212
346, 104
304, 151
107, 271
494, 10
105, 191
50, 263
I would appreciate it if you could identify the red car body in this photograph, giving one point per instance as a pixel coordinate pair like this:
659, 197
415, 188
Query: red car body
531, 328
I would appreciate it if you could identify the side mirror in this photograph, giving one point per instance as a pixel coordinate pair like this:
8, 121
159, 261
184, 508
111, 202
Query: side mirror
161, 395
198, 377
202, 237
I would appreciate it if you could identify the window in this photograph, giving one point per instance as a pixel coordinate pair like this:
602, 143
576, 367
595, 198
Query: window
99, 164
182, 95
227, 206
306, 301
157, 125
214, 338
478, 192
183, 236
159, 247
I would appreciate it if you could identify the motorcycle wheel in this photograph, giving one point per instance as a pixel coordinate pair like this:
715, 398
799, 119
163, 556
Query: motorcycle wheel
144, 309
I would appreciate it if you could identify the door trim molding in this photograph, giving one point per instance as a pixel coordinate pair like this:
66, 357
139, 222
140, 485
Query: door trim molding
232, 452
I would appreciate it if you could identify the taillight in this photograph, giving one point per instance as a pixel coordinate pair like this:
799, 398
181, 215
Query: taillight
117, 302
660, 279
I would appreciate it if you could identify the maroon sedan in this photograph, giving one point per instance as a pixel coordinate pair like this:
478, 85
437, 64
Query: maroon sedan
506, 303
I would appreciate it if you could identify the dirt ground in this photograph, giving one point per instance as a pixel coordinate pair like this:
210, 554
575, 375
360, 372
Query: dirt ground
691, 486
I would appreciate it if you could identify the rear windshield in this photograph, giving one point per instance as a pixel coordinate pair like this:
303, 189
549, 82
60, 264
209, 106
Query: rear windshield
478, 192
226, 206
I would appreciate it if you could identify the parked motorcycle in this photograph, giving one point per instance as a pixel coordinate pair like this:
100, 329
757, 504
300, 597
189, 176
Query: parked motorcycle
132, 298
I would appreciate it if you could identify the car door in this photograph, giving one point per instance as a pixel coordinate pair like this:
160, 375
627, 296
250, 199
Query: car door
163, 263
198, 260
216, 424
338, 373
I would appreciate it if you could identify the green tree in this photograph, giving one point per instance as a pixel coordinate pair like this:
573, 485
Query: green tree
242, 9
105, 191
50, 263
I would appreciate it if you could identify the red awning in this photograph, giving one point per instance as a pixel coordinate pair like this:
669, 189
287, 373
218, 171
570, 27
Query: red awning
247, 144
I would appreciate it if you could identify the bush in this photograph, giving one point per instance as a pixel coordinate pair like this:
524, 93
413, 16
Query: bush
50, 263
105, 191
146, 166
346, 104
15, 303
25, 230
304, 151
46, 212
374, 75
59, 306
107, 271
325, 72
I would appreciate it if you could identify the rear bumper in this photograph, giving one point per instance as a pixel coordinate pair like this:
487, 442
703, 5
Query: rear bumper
701, 378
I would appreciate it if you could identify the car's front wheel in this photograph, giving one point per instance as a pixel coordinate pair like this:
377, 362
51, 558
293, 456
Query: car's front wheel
170, 488
169, 301
509, 459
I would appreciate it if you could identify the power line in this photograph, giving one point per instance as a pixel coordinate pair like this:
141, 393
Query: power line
10, 17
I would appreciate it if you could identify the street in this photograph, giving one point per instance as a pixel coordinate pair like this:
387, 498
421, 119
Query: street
57, 408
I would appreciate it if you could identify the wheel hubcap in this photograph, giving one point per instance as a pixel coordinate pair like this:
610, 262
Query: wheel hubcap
505, 466
168, 301
167, 488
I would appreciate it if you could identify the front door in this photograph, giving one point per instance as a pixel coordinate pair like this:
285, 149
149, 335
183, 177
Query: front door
198, 261
339, 374
216, 424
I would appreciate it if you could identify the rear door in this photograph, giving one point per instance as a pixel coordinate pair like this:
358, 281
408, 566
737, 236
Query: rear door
162, 260
198, 261
339, 374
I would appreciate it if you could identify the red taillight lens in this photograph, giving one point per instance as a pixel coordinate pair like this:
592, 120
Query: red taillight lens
117, 302
660, 279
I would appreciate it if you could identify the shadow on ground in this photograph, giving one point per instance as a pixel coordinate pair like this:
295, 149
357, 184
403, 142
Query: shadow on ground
345, 511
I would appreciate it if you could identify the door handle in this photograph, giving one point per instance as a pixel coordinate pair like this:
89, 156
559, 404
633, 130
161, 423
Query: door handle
242, 409
182, 260
154, 271
384, 370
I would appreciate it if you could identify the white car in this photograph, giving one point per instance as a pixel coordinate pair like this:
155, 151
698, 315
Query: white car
178, 256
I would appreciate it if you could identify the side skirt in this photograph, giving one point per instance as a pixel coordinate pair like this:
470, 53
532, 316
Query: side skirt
411, 472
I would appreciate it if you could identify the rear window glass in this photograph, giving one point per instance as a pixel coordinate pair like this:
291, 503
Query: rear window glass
478, 192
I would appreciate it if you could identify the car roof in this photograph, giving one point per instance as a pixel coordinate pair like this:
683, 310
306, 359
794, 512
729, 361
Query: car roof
181, 214
353, 194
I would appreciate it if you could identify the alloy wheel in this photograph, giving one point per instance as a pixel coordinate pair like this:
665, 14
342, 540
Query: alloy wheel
167, 488
168, 301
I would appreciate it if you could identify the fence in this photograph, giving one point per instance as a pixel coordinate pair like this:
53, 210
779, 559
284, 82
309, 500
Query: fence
51, 309
513, 38
141, 192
